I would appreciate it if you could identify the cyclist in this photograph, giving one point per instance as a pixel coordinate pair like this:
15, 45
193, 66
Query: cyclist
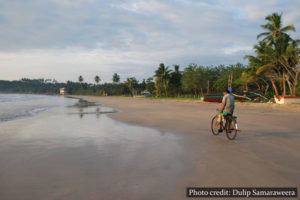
227, 107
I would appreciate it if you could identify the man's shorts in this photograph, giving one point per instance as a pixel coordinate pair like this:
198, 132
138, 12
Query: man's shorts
220, 116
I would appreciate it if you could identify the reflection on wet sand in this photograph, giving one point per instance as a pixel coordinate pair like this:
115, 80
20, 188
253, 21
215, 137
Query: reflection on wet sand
60, 156
87, 108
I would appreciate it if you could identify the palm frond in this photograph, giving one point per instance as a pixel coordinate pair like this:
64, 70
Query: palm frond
264, 68
262, 34
290, 27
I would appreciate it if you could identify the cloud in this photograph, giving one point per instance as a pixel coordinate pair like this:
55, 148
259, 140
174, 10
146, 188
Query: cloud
66, 38
236, 49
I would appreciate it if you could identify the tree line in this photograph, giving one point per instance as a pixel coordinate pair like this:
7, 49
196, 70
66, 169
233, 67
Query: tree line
193, 81
31, 86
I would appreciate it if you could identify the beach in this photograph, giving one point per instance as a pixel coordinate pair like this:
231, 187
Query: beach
193, 116
76, 151
129, 148
265, 152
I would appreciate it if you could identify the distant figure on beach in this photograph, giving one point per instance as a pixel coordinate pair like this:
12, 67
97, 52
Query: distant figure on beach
227, 107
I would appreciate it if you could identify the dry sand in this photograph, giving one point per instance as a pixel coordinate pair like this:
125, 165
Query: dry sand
188, 116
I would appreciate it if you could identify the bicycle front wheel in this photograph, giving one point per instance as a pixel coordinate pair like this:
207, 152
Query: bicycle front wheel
231, 129
214, 126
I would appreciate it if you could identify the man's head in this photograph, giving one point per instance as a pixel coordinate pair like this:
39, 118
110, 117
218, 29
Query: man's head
228, 91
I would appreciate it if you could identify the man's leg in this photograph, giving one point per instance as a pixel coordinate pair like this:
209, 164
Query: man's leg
228, 120
220, 121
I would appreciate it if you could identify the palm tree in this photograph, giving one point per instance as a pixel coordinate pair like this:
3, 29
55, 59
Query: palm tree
80, 79
289, 60
175, 80
97, 79
131, 83
249, 77
274, 29
150, 85
264, 64
277, 55
116, 78
158, 82
162, 75
278, 39
128, 83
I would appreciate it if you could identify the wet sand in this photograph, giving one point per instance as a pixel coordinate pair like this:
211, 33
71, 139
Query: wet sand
149, 150
80, 153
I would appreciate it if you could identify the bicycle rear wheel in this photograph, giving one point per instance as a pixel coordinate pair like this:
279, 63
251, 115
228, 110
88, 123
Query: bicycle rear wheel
231, 130
214, 126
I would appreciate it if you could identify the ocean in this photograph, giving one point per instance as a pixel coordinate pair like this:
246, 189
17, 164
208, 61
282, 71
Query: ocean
15, 106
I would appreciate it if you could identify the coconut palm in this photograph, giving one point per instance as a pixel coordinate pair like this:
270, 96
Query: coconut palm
277, 55
116, 78
264, 64
274, 29
279, 40
128, 83
80, 79
175, 81
162, 80
289, 60
97, 79
131, 83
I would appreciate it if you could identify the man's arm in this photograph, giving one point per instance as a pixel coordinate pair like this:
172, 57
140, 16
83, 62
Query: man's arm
222, 108
224, 101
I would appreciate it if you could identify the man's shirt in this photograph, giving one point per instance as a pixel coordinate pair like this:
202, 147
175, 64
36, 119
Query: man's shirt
228, 100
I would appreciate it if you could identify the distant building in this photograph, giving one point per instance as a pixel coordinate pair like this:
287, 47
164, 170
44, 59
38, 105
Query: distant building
62, 91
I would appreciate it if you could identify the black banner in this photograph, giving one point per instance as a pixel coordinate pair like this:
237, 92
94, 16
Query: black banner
242, 192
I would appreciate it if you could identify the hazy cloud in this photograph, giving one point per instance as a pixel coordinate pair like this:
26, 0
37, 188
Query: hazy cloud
65, 38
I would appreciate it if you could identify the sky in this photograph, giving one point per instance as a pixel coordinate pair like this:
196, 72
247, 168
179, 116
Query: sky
63, 39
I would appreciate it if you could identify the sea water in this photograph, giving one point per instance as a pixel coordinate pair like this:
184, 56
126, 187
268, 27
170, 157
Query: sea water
15, 106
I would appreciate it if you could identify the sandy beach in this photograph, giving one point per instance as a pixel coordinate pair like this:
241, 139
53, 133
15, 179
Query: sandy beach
265, 153
192, 116
126, 148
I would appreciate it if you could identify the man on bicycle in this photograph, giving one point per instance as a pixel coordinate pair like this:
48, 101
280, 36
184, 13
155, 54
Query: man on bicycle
227, 107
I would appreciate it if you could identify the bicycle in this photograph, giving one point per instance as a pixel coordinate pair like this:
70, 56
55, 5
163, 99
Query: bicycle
230, 127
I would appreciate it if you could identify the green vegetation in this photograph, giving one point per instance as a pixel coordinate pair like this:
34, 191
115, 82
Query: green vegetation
276, 59
97, 79
116, 78
80, 79
35, 86
273, 69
